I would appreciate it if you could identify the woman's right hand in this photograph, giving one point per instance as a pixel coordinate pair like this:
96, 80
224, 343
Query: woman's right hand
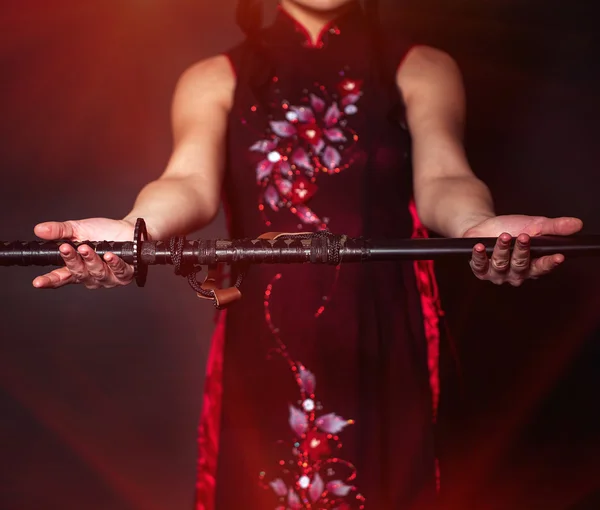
83, 265
186, 197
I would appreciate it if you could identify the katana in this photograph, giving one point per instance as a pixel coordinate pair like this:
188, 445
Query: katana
277, 248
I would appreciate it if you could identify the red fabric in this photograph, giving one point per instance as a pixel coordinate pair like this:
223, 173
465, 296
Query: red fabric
208, 434
430, 303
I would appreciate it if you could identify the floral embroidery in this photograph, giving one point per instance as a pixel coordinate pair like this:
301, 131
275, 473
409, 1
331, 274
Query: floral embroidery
312, 477
311, 138
304, 141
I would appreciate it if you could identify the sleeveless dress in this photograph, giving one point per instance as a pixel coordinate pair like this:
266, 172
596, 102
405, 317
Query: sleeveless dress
320, 380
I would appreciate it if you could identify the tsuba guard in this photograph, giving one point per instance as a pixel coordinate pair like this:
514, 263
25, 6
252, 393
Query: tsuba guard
140, 270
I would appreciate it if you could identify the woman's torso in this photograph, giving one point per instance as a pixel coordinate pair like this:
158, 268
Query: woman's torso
315, 140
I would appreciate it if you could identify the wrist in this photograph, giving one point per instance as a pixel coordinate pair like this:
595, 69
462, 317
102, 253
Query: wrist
132, 218
472, 221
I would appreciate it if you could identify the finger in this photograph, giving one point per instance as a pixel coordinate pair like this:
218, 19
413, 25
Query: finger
53, 280
95, 268
545, 265
73, 262
521, 256
564, 226
122, 271
500, 260
55, 230
480, 264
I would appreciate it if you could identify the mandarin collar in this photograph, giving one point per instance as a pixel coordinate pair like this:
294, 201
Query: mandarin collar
289, 31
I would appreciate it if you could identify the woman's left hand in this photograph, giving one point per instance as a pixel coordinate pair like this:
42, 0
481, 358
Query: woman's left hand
515, 268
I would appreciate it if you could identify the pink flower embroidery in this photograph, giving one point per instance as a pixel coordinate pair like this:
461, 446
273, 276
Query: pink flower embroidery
306, 141
309, 139
319, 478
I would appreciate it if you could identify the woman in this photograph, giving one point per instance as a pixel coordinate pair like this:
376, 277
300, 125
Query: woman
325, 397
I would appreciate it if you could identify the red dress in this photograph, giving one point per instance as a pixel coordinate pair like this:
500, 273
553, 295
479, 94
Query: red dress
319, 393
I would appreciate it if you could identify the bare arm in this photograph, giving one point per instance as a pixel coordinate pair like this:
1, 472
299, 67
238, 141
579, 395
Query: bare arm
184, 198
450, 199
187, 195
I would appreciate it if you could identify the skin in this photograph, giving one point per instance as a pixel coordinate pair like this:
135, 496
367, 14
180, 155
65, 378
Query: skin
314, 14
450, 199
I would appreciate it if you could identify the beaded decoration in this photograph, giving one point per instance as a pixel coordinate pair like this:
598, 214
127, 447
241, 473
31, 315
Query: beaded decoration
312, 477
309, 139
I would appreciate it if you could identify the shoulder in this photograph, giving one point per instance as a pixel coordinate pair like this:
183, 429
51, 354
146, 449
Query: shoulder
424, 66
428, 56
211, 79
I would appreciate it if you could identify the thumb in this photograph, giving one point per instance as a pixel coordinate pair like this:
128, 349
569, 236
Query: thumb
55, 230
564, 226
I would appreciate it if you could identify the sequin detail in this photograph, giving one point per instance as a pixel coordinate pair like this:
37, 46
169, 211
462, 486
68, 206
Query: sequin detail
311, 476
306, 140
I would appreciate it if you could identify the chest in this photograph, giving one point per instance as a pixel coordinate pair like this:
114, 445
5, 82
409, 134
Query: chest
319, 136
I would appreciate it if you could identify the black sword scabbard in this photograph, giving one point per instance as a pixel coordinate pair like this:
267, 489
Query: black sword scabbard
320, 248
203, 252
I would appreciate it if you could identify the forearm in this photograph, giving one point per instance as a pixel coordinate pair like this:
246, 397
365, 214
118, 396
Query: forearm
173, 206
452, 205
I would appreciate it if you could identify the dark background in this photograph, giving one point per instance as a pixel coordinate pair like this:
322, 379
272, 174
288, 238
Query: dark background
100, 391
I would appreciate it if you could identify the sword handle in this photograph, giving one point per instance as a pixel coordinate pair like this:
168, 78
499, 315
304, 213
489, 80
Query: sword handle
46, 253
